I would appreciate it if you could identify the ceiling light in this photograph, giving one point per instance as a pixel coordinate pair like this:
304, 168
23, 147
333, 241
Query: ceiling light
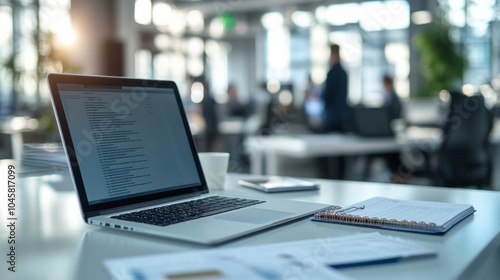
162, 41
161, 13
197, 92
273, 86
216, 29
195, 21
195, 46
421, 17
302, 19
142, 12
468, 89
285, 98
342, 14
177, 23
272, 20
320, 14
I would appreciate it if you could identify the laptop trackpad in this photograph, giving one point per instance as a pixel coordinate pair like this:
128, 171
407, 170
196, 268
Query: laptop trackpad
255, 216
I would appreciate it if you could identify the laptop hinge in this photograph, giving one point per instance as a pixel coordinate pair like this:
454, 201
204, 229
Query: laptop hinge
142, 204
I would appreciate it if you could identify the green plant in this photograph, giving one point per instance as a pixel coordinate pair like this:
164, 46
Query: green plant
442, 63
50, 58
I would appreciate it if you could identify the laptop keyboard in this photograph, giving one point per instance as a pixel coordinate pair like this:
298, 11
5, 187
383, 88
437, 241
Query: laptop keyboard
185, 211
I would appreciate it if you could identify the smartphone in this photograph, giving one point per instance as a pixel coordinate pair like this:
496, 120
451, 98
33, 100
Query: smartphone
278, 184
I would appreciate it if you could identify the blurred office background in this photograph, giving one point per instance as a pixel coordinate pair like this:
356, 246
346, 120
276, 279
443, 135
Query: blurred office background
274, 54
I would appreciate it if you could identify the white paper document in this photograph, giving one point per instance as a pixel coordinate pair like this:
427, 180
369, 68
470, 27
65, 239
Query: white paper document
308, 259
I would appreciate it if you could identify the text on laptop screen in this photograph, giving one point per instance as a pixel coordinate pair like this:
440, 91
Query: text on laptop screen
128, 141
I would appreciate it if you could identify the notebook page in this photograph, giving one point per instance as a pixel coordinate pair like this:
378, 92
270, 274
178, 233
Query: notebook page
418, 211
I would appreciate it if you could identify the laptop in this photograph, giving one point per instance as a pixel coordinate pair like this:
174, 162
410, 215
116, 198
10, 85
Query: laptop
135, 166
372, 121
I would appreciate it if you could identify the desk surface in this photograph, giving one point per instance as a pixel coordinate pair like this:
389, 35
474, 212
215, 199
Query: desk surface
52, 242
266, 152
310, 145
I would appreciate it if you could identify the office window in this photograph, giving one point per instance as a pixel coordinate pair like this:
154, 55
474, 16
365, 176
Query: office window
299, 65
161, 63
177, 70
217, 68
351, 51
387, 52
278, 53
387, 15
143, 64
195, 48
5, 51
142, 12
373, 42
28, 57
21, 22
319, 53
474, 30
342, 14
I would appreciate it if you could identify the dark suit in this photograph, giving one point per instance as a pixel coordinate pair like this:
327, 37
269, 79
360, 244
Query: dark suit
393, 160
335, 118
211, 118
394, 105
334, 95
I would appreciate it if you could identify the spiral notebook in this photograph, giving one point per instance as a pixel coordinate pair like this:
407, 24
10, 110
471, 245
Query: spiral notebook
396, 214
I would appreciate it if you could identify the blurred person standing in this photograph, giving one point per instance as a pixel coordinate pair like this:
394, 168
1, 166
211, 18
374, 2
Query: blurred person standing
336, 112
334, 95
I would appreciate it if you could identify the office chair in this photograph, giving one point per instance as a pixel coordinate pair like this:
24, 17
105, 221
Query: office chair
464, 156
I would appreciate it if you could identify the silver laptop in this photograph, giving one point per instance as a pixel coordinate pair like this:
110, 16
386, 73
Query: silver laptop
135, 166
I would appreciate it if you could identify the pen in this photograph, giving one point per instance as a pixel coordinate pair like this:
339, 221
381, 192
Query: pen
346, 265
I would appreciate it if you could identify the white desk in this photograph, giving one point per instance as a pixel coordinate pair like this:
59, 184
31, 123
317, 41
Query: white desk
53, 242
15, 127
269, 149
267, 152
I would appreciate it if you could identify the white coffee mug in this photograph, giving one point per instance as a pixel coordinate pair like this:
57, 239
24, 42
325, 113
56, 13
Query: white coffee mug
214, 167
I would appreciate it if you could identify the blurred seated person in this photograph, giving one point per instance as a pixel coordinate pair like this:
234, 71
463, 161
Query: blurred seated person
313, 106
234, 106
392, 101
209, 113
238, 111
393, 160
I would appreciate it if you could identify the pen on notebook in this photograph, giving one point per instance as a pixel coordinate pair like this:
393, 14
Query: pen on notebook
370, 262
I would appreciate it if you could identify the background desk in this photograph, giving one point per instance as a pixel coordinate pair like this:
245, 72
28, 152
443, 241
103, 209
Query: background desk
266, 152
53, 242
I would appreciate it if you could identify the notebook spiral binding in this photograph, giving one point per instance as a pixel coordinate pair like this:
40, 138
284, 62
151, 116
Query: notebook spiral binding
339, 214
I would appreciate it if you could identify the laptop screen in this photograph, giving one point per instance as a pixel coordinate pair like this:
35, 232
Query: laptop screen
127, 141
